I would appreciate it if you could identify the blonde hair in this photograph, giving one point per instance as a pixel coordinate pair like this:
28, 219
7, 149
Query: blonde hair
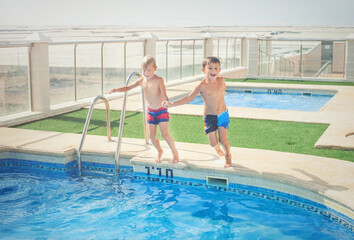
148, 60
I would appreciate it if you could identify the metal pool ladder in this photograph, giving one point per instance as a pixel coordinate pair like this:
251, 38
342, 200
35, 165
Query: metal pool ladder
88, 118
121, 124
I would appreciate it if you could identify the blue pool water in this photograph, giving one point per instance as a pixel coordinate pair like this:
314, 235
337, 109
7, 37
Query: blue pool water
46, 206
296, 101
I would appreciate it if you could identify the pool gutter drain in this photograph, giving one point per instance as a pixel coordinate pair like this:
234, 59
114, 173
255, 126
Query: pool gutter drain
217, 181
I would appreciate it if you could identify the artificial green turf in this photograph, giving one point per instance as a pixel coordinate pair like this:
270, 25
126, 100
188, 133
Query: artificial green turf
261, 134
291, 82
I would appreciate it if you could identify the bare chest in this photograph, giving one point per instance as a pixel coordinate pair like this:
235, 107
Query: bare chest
150, 87
213, 91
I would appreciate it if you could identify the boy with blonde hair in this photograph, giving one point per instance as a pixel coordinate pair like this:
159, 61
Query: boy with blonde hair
216, 117
154, 93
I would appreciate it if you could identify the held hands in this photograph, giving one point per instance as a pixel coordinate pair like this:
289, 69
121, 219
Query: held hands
112, 91
166, 104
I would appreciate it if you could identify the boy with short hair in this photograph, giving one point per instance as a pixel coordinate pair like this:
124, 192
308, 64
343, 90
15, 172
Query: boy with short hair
154, 93
216, 116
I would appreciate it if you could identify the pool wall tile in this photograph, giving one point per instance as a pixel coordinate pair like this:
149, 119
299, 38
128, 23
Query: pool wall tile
252, 183
62, 163
38, 157
264, 193
104, 159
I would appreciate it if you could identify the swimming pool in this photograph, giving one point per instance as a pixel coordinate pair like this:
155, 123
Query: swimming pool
282, 99
40, 204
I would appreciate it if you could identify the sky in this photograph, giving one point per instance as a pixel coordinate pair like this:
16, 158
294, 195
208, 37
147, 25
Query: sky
178, 12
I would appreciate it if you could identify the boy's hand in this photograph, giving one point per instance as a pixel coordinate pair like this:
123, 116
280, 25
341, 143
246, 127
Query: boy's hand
111, 91
165, 104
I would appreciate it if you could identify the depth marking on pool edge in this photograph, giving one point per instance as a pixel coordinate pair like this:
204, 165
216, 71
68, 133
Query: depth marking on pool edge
159, 170
275, 91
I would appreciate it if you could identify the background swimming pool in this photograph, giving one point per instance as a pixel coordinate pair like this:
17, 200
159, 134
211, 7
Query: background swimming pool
273, 100
45, 206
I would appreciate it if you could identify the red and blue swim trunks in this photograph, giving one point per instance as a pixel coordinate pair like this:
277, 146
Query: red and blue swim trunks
157, 116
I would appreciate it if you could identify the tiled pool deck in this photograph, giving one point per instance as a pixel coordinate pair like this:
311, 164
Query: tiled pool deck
324, 180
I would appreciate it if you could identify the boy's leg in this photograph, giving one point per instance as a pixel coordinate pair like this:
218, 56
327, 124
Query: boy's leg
155, 141
213, 141
166, 135
226, 145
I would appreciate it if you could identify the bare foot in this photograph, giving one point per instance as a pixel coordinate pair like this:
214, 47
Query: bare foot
175, 158
228, 161
158, 157
219, 151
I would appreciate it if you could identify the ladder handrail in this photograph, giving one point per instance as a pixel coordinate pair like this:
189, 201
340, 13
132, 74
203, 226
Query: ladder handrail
88, 118
121, 124
321, 70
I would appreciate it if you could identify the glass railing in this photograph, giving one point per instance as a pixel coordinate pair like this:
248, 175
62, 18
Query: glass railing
80, 70
270, 65
228, 50
302, 58
87, 69
266, 64
179, 59
14, 79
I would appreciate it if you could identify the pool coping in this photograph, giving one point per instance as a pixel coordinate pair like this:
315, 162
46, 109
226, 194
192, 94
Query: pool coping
296, 174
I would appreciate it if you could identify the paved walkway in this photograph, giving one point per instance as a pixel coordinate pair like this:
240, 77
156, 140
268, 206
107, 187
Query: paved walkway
292, 173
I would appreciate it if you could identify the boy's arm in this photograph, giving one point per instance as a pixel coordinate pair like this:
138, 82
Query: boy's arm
186, 99
163, 90
126, 88
224, 86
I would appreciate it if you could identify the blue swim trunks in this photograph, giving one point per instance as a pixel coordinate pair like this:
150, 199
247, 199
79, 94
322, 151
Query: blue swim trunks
212, 122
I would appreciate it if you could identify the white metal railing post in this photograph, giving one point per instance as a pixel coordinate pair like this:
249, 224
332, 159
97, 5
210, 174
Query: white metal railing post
235, 53
125, 60
286, 68
300, 61
193, 58
218, 48
30, 77
102, 79
260, 62
268, 44
204, 52
75, 73
227, 55
181, 60
349, 61
166, 61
